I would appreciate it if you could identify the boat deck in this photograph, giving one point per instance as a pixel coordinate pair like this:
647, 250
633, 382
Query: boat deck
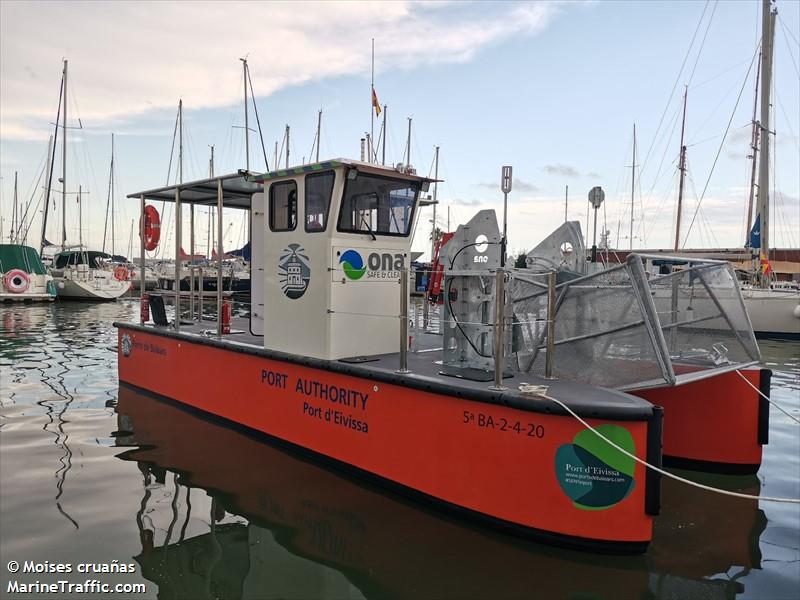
425, 373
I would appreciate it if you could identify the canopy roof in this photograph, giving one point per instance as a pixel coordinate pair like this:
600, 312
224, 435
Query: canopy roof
238, 188
16, 256
79, 257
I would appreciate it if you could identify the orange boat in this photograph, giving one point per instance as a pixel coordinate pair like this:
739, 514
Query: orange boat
322, 364
356, 534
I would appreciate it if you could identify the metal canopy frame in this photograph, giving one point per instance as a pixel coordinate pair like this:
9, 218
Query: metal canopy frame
234, 190
237, 191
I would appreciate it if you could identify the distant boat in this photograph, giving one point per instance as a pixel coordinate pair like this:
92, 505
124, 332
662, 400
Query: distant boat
23, 275
77, 274
80, 275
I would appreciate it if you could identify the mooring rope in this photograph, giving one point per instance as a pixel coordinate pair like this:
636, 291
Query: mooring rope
540, 392
767, 398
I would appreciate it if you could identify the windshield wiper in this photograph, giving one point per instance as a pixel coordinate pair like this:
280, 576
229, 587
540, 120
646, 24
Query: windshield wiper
374, 239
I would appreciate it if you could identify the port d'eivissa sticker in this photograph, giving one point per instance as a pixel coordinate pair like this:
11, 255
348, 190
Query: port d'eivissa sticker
593, 474
294, 271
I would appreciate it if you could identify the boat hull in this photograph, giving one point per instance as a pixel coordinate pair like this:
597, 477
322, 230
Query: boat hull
431, 445
71, 289
773, 314
718, 424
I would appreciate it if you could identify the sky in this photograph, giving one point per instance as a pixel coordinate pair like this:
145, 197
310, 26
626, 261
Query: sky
550, 88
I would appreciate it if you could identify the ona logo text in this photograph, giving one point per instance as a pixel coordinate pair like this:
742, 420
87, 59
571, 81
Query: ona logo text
379, 265
294, 271
593, 474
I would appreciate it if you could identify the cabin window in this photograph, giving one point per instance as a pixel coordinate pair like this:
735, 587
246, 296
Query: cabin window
377, 205
283, 206
319, 188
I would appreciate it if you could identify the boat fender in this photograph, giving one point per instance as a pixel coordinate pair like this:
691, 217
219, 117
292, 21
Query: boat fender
121, 273
16, 281
152, 227
796, 311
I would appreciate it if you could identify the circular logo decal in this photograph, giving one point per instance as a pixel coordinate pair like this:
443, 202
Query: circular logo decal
481, 243
595, 475
126, 346
352, 264
294, 271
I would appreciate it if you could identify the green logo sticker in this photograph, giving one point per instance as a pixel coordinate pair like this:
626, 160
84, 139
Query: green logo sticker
594, 474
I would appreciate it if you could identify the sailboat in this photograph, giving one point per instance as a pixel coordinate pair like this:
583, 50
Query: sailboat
22, 274
774, 310
78, 273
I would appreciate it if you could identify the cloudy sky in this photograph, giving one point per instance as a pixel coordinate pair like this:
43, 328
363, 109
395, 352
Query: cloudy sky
552, 88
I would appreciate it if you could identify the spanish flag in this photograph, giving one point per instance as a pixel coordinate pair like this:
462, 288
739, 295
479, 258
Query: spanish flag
766, 267
375, 103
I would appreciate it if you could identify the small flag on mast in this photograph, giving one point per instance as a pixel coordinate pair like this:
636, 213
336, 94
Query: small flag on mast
375, 103
766, 267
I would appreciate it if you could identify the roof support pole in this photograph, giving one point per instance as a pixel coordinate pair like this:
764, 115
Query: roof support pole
141, 255
192, 280
178, 223
219, 257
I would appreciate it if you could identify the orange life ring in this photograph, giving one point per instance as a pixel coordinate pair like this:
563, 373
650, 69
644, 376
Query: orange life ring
120, 273
16, 281
152, 227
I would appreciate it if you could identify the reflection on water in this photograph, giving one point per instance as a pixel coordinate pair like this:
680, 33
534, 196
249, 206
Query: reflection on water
205, 511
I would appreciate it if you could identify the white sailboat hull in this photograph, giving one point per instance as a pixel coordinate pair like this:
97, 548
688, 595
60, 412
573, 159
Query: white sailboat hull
96, 284
773, 313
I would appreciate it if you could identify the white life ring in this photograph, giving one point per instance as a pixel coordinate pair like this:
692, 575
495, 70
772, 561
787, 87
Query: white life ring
16, 281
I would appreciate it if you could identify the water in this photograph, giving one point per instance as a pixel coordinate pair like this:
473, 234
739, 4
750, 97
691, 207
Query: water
90, 473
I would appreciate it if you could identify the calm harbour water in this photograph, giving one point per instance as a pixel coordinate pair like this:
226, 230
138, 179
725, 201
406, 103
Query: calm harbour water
91, 473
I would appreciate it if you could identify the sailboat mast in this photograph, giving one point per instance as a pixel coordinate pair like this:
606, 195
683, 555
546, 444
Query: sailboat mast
435, 185
408, 143
371, 104
319, 131
64, 167
51, 159
753, 156
210, 208
80, 219
180, 140
682, 169
767, 33
633, 183
246, 124
113, 183
12, 237
385, 133
287, 146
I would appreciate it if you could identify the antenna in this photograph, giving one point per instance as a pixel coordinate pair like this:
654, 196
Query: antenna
505, 187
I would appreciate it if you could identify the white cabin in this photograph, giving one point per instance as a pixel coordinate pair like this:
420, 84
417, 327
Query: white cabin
330, 242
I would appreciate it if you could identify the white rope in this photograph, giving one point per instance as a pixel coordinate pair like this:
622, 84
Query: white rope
540, 391
763, 395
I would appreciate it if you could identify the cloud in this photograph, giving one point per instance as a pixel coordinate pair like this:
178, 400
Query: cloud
126, 58
563, 170
518, 185
593, 175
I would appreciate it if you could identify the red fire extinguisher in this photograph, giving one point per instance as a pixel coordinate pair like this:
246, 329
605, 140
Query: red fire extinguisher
145, 308
226, 316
